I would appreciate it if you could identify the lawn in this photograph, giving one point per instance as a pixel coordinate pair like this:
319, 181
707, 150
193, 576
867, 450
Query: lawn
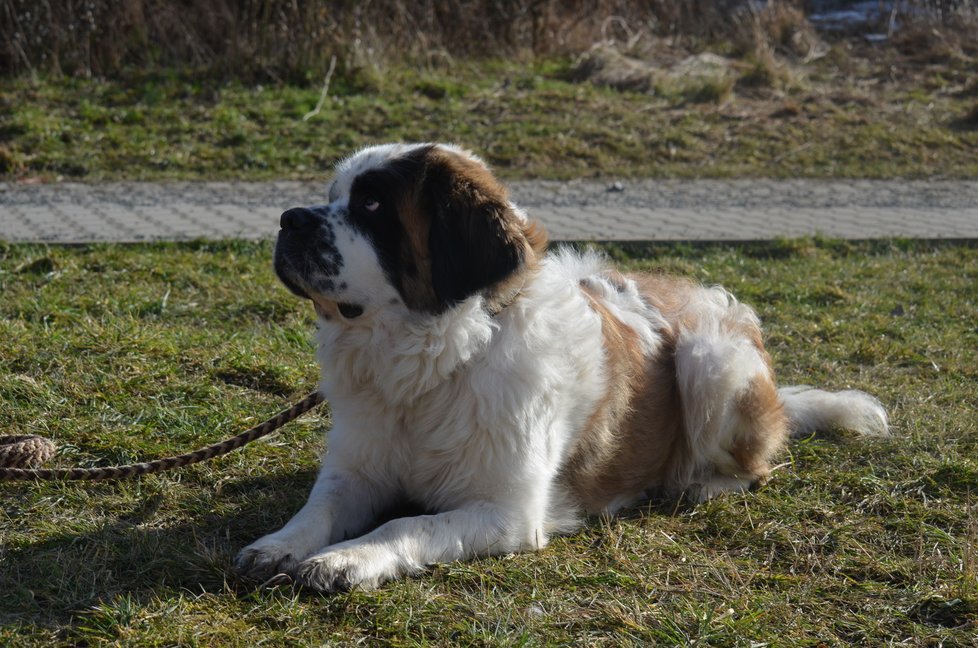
123, 353
872, 114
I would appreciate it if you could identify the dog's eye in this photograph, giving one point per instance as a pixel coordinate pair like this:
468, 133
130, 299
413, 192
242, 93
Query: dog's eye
371, 204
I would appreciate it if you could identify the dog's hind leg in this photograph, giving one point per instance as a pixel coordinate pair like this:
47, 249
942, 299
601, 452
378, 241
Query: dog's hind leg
733, 418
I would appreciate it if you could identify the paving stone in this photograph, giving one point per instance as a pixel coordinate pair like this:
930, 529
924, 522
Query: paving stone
647, 209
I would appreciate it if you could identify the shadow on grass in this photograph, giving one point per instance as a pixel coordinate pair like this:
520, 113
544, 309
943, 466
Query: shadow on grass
61, 580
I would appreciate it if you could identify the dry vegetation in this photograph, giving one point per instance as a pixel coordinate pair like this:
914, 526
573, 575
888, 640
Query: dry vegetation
224, 89
287, 40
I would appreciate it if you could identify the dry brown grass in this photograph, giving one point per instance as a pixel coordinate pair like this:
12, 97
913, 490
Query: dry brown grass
765, 42
285, 39
296, 40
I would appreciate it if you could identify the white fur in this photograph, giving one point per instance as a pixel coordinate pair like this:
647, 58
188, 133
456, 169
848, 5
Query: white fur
473, 415
455, 412
813, 409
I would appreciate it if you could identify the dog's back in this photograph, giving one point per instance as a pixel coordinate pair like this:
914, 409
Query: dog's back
698, 412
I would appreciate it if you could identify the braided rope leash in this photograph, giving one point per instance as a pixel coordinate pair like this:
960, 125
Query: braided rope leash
18, 454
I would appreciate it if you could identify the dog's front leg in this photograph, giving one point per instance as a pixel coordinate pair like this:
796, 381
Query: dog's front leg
406, 545
340, 505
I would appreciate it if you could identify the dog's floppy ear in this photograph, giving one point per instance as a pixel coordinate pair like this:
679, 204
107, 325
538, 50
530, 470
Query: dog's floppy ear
476, 239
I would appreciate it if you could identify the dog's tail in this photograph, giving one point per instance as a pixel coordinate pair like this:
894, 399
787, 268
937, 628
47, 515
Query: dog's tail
810, 410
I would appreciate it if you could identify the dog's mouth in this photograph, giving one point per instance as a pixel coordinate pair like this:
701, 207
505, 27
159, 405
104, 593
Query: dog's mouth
312, 278
328, 309
325, 308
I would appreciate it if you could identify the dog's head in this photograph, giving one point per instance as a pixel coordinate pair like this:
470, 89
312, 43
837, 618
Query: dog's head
422, 226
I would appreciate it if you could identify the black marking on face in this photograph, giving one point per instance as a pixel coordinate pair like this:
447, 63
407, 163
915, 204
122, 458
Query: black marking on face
306, 255
376, 197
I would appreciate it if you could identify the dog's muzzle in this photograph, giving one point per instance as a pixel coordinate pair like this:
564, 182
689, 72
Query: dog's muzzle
306, 257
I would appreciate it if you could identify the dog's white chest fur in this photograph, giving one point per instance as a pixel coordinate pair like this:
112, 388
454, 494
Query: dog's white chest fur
471, 412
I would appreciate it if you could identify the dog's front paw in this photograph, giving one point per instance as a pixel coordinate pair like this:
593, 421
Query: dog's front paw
342, 570
265, 558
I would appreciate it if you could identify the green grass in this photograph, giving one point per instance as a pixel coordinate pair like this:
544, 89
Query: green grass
527, 120
121, 353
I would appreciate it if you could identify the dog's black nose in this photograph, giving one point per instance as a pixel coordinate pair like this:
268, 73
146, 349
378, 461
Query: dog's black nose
297, 218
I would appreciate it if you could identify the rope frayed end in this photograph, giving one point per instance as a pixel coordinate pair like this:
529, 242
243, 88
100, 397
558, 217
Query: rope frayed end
25, 451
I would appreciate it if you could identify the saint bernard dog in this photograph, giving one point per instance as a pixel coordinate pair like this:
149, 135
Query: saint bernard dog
506, 391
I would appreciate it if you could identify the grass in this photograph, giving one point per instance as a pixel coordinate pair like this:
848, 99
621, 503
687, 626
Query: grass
121, 353
846, 115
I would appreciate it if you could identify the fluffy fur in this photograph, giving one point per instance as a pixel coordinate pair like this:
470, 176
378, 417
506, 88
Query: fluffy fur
506, 391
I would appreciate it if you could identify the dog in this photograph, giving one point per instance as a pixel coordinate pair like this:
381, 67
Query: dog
506, 391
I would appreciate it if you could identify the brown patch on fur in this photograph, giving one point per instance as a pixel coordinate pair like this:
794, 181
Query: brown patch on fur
763, 425
537, 240
474, 192
416, 286
668, 295
325, 308
474, 180
633, 438
764, 428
